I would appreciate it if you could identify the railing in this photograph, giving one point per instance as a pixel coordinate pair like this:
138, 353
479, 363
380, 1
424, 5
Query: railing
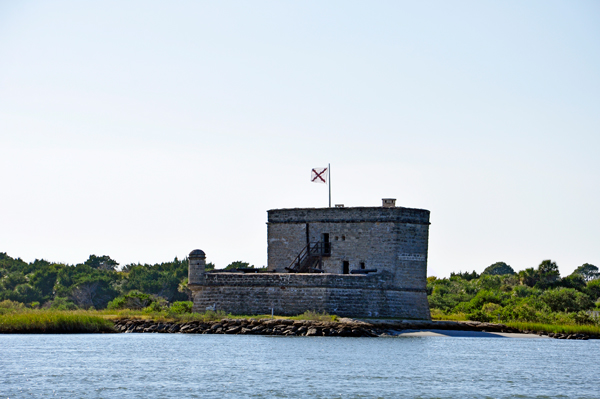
320, 249
310, 256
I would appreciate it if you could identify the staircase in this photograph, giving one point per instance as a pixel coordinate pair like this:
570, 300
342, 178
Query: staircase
310, 259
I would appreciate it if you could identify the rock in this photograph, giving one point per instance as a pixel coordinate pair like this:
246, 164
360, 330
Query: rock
312, 332
233, 330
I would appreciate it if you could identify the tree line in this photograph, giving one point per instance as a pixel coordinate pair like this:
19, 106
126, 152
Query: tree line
94, 283
497, 294
531, 295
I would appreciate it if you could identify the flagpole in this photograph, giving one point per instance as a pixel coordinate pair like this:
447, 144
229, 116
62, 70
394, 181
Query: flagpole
329, 166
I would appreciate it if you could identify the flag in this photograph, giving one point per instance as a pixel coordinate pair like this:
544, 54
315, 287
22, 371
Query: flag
319, 175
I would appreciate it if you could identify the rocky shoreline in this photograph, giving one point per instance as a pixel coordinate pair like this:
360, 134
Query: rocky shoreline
308, 328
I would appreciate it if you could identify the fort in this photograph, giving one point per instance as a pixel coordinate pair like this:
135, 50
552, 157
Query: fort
353, 262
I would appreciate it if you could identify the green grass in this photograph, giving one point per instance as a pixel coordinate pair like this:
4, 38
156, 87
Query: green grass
310, 315
53, 321
555, 328
205, 317
24, 320
437, 314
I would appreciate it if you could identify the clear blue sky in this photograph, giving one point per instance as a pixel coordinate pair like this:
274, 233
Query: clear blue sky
143, 130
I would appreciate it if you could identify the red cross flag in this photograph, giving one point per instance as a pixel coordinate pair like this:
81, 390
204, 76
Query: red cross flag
319, 175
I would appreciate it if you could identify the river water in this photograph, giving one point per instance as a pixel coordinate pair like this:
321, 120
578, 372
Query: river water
225, 366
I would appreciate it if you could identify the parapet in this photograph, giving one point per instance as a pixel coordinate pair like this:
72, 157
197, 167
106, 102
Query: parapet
349, 215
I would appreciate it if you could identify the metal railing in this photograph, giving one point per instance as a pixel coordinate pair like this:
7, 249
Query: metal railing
310, 259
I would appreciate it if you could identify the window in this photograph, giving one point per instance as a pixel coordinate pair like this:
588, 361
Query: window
346, 267
362, 265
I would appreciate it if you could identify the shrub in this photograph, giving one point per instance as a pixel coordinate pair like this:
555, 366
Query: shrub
582, 317
181, 307
566, 299
479, 315
524, 312
132, 300
61, 303
492, 308
8, 306
158, 305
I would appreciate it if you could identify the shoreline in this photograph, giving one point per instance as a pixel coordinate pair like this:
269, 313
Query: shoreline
343, 328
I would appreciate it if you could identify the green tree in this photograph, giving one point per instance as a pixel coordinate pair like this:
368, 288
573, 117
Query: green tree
592, 289
549, 275
529, 277
238, 264
587, 271
465, 275
498, 268
103, 262
573, 281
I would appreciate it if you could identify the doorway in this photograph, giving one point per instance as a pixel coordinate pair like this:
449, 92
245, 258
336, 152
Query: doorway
346, 267
326, 244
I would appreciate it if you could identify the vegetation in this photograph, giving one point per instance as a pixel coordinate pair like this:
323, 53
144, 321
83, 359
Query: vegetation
535, 295
16, 318
96, 283
39, 295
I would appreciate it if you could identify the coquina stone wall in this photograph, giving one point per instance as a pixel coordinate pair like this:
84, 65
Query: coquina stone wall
291, 294
394, 241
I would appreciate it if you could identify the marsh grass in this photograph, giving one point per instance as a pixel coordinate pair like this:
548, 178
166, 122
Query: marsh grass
15, 319
437, 314
555, 328
311, 315
53, 321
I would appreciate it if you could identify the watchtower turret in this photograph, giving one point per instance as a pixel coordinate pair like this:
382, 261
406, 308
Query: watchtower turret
197, 267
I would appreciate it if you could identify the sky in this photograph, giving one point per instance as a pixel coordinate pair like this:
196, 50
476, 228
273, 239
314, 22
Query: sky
143, 129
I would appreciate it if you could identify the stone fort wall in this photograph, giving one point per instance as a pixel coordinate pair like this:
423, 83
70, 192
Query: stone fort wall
291, 294
392, 240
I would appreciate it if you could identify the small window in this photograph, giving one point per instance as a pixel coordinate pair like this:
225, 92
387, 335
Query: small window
336, 238
362, 265
346, 267
343, 238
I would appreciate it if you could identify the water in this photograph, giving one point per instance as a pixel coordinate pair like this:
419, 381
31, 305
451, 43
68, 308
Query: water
217, 366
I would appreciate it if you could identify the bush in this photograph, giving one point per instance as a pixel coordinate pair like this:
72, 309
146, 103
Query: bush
479, 315
566, 299
158, 305
181, 307
582, 317
8, 306
491, 308
61, 303
132, 300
